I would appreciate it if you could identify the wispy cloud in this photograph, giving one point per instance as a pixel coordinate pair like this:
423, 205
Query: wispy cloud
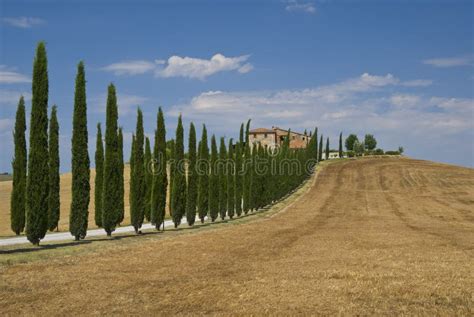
130, 67
11, 97
23, 22
10, 76
365, 104
295, 6
126, 103
450, 61
188, 67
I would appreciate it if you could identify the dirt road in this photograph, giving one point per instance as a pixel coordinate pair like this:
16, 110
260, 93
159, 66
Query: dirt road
372, 236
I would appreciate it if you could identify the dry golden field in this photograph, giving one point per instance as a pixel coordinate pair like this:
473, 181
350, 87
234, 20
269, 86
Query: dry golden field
65, 195
368, 237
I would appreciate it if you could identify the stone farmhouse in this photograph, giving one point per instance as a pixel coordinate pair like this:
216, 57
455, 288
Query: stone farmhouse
276, 136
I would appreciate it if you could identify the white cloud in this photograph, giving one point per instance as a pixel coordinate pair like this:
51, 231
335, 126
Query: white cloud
126, 103
130, 67
365, 104
23, 22
294, 5
450, 61
6, 125
190, 67
177, 66
11, 97
404, 100
417, 83
10, 76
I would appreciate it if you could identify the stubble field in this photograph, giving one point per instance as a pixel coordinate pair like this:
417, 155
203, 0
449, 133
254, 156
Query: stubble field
369, 236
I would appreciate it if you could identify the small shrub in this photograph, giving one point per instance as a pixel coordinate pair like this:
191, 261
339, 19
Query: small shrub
392, 153
378, 152
350, 154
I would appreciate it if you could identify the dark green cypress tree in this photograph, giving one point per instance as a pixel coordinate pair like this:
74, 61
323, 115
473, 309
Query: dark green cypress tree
246, 176
222, 169
131, 191
191, 195
327, 149
320, 154
137, 211
172, 171
179, 182
230, 181
340, 145
112, 178
238, 172
213, 182
315, 137
78, 217
53, 198
148, 179
99, 177
203, 180
38, 177
160, 178
17, 202
121, 184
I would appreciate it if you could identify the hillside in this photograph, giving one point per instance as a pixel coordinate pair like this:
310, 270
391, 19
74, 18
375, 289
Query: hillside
369, 237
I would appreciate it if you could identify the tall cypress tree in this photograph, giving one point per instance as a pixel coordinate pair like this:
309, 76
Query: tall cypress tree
223, 171
213, 182
203, 180
137, 211
172, 171
17, 202
121, 185
238, 172
112, 178
246, 176
231, 181
99, 177
148, 179
78, 217
320, 154
131, 190
340, 145
327, 149
38, 177
53, 198
179, 182
191, 195
160, 178
315, 137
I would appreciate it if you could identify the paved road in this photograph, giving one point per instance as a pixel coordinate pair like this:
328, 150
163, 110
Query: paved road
61, 236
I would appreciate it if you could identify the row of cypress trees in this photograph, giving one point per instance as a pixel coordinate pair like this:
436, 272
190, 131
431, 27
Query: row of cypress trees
35, 200
233, 178
223, 180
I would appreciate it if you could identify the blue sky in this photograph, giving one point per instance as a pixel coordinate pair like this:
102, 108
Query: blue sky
401, 70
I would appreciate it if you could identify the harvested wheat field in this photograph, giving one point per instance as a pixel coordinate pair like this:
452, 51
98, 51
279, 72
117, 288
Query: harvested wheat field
370, 236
